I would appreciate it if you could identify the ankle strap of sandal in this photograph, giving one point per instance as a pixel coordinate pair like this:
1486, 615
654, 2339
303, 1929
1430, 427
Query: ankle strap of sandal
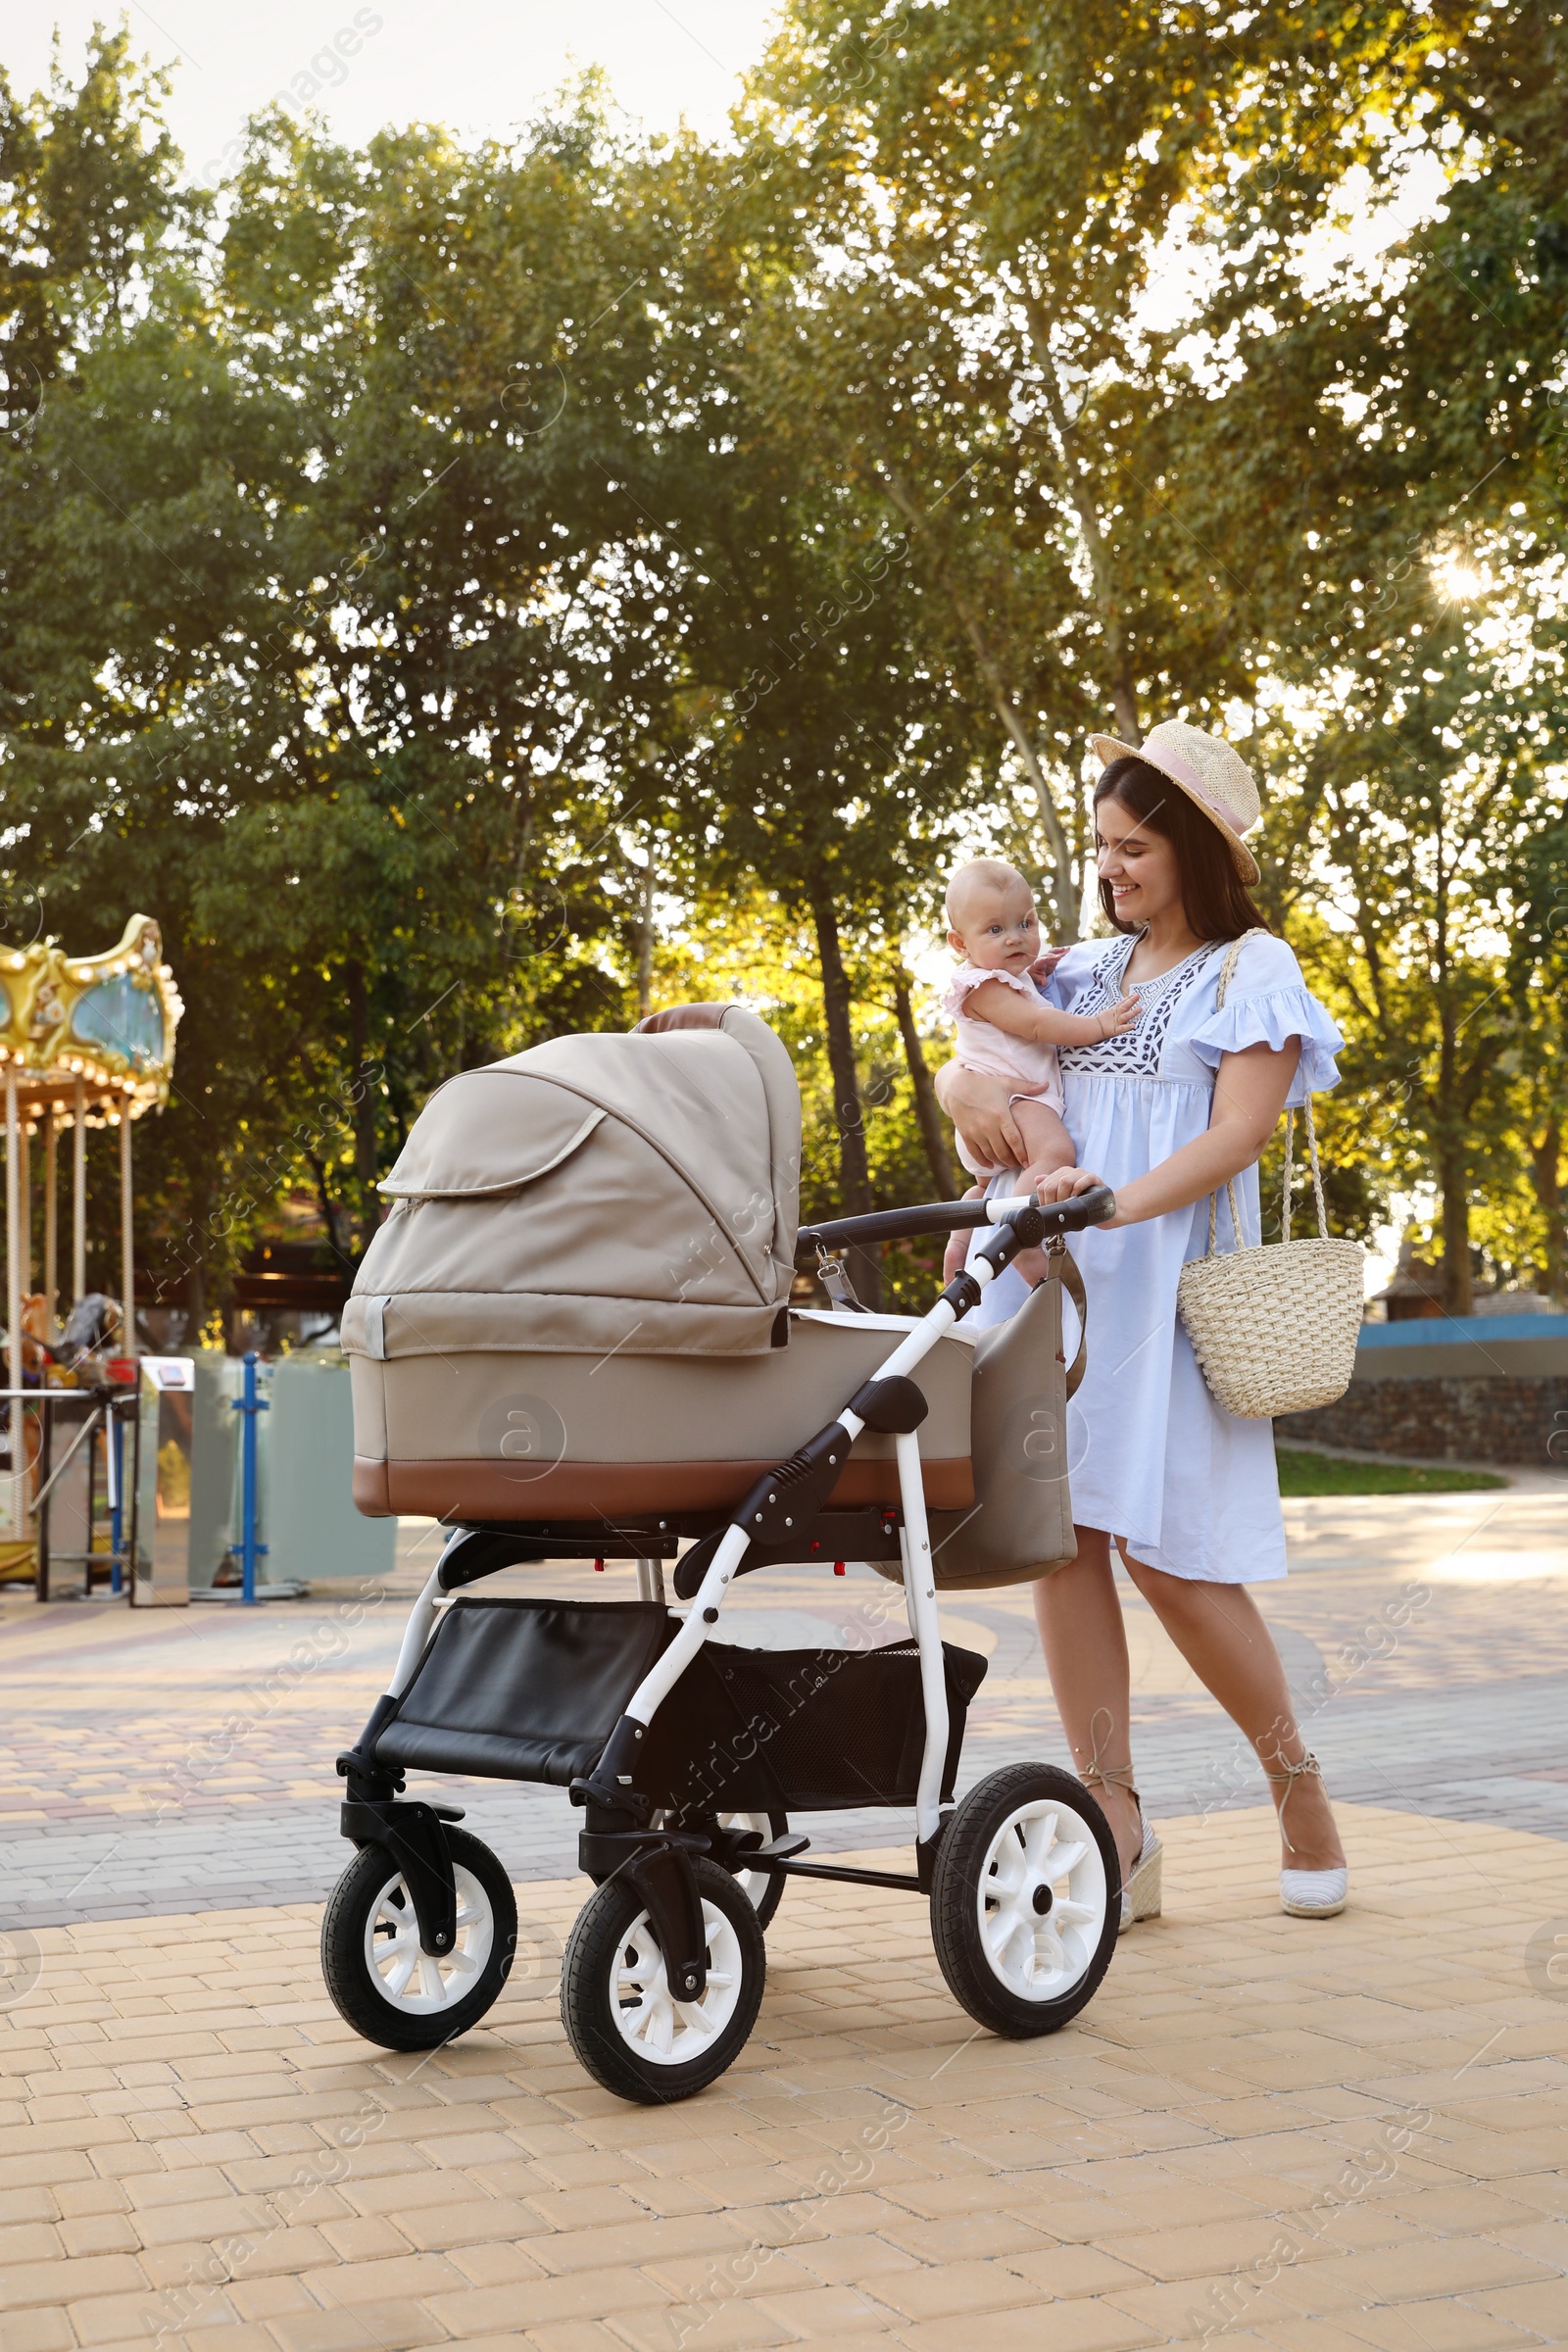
1111, 1776
1289, 1774
1294, 1772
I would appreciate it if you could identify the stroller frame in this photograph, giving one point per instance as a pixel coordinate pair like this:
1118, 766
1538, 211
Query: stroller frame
782, 1520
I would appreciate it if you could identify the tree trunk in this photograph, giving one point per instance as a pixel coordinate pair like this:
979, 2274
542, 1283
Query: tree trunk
1545, 1158
340, 1243
1452, 1180
365, 1102
1066, 891
645, 943
855, 1176
1076, 481
926, 1108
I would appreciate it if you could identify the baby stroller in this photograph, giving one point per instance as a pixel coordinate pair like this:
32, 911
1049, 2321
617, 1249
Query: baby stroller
572, 1339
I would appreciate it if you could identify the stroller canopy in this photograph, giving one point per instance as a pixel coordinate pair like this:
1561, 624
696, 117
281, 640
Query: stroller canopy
595, 1193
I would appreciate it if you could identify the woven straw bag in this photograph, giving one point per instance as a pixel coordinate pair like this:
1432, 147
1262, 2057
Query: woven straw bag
1275, 1329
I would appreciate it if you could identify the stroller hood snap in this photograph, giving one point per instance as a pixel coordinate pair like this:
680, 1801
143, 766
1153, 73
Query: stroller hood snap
594, 1193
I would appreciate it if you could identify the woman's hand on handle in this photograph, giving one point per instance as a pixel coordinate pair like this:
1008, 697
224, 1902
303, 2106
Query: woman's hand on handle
981, 1110
1065, 1184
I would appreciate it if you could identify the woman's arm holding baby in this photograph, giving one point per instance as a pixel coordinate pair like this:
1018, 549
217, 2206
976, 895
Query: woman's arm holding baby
1040, 1023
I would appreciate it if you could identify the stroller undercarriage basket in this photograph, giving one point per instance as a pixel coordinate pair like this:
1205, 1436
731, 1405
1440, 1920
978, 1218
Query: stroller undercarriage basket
528, 1690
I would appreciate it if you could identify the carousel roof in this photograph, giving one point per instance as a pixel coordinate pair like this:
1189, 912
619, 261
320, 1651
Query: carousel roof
106, 1020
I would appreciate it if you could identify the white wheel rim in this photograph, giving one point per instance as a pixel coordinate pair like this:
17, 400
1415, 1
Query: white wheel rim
752, 1883
1041, 1901
416, 1981
648, 2017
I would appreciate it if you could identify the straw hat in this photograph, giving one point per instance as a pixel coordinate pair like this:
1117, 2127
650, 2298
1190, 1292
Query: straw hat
1215, 778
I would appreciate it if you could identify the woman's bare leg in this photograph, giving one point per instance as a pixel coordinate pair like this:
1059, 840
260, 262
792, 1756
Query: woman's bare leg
1220, 1631
1085, 1642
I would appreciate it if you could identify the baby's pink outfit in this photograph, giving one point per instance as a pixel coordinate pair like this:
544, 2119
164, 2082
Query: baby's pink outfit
1029, 1067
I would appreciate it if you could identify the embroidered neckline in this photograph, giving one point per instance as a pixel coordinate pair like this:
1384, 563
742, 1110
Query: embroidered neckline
1139, 1051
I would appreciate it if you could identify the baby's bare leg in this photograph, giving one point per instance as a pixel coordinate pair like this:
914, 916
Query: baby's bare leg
1046, 1140
958, 1249
1048, 1146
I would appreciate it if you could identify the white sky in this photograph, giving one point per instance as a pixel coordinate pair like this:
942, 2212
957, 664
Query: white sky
480, 66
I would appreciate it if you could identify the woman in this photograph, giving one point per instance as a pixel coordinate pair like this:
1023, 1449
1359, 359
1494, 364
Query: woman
1165, 1115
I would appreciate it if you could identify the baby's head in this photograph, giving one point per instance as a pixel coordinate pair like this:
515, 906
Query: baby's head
991, 916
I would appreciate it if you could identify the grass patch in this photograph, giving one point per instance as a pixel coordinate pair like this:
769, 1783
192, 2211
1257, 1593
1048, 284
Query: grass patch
1302, 1473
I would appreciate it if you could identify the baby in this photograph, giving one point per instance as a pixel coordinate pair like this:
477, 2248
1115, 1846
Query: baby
1006, 1028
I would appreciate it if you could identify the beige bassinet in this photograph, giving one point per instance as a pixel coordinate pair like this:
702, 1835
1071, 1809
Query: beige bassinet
577, 1310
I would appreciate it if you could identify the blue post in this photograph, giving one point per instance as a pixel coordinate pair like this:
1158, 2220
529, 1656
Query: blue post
115, 1475
249, 1552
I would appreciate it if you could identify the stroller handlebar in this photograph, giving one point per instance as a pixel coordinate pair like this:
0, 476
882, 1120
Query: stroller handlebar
947, 1216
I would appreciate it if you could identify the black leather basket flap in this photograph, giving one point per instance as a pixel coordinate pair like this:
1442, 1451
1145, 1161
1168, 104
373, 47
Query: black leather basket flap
531, 1689
801, 1730
524, 1690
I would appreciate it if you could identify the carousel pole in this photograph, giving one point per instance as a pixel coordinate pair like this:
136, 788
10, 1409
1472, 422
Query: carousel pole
123, 1524
18, 1513
127, 1279
51, 1221
78, 1204
25, 1181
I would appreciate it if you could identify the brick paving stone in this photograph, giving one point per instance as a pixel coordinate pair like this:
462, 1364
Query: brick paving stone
35, 2332
1054, 2328
387, 2327
1432, 2327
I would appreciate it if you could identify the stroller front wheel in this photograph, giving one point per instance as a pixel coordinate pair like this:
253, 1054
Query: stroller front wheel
382, 1982
621, 2015
1026, 1900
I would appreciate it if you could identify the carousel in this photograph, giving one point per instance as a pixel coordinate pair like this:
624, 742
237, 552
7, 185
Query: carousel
86, 1044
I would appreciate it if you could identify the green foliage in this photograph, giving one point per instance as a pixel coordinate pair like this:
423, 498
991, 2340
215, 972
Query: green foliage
469, 594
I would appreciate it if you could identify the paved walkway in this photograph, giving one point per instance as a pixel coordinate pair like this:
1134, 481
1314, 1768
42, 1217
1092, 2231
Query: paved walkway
156, 1761
1263, 2132
1309, 2135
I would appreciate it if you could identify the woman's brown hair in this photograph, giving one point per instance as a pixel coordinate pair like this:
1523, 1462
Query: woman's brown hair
1213, 894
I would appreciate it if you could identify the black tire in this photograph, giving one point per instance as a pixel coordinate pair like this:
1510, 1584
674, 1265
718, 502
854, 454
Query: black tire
764, 1887
612, 1944
1030, 1979
371, 1905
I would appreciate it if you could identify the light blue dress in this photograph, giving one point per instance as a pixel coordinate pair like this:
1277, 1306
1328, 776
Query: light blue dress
1151, 1457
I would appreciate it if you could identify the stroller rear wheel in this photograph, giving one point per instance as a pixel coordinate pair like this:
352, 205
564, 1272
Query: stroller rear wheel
1025, 1899
620, 2015
382, 1983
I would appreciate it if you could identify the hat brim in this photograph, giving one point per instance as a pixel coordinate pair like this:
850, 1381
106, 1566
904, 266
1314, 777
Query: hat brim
1107, 747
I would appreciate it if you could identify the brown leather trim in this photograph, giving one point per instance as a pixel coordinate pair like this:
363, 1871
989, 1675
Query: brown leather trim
370, 1489
611, 1489
682, 1016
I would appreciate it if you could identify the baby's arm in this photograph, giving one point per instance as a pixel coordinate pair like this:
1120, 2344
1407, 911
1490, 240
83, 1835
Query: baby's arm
1005, 1009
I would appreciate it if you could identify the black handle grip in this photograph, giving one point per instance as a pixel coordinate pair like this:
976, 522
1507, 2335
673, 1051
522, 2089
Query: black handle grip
892, 1224
1083, 1209
949, 1216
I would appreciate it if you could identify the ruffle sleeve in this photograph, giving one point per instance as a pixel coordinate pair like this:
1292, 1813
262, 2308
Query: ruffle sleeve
1269, 1002
969, 977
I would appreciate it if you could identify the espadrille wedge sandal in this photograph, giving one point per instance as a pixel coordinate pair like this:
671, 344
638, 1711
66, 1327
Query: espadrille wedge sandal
1141, 1893
1307, 1893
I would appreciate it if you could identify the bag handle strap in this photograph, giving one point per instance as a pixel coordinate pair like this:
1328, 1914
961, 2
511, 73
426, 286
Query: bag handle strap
1227, 972
1061, 1267
1317, 1173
